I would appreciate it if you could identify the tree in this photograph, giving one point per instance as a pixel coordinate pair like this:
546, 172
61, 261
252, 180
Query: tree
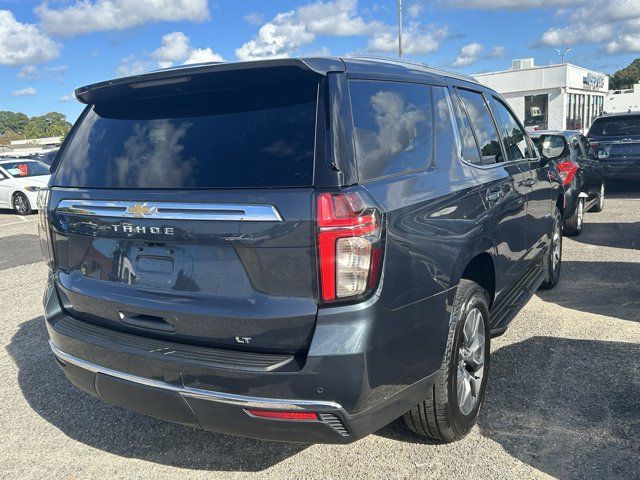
626, 77
16, 125
12, 122
53, 124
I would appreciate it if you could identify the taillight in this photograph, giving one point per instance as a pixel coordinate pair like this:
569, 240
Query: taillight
44, 228
349, 245
567, 171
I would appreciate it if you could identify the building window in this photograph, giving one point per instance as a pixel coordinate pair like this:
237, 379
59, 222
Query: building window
536, 112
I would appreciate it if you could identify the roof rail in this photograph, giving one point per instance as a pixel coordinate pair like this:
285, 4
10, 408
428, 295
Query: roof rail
428, 68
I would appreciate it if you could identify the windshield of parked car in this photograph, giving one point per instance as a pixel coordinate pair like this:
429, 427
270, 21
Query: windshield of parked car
246, 133
615, 126
20, 168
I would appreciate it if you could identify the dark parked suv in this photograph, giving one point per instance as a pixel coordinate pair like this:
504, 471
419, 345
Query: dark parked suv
616, 140
299, 249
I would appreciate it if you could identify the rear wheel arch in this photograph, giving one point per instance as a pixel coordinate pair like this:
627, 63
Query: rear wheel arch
481, 269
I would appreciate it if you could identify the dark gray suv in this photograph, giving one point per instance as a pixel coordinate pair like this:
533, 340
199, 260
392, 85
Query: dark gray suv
299, 249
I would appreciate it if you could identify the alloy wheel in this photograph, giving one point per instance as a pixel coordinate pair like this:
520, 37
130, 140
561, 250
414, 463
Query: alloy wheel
556, 246
471, 355
20, 204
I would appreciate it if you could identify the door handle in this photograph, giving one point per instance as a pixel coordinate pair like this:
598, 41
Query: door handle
494, 195
529, 182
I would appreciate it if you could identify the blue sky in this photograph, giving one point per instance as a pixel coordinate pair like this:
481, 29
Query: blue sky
49, 48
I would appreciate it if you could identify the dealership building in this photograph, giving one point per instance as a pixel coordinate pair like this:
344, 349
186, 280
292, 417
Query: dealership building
553, 97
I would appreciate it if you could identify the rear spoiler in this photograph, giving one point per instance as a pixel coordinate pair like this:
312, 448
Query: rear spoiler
126, 86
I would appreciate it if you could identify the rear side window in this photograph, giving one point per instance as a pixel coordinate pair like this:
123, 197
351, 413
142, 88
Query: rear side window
392, 127
513, 137
242, 134
615, 126
483, 126
470, 150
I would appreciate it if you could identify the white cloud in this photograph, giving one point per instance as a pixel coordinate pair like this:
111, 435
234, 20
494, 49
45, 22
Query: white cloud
174, 48
415, 9
30, 73
85, 16
573, 34
69, 97
24, 43
509, 4
468, 55
615, 22
132, 65
254, 18
497, 52
289, 31
624, 43
417, 39
203, 55
25, 92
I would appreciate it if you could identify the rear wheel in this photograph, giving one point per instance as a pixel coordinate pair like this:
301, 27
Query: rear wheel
21, 204
573, 224
553, 258
453, 402
599, 206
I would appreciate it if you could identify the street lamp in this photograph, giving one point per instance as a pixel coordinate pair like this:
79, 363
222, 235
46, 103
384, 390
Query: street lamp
399, 28
563, 53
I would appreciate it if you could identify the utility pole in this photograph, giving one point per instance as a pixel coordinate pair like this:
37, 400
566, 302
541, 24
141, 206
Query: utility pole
399, 28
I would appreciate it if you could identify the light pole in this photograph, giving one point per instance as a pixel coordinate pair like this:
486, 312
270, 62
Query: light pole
399, 28
563, 53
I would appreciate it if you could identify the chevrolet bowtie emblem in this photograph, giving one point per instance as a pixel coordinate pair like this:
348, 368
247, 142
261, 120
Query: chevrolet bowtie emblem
140, 210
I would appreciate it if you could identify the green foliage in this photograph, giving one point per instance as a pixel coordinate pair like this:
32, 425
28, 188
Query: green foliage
626, 77
16, 125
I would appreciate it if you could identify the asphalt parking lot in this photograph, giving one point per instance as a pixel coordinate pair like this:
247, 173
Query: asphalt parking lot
563, 400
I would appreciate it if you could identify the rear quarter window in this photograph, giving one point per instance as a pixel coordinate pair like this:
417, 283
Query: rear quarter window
393, 127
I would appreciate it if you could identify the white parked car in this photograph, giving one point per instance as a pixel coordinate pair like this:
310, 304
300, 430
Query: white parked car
20, 181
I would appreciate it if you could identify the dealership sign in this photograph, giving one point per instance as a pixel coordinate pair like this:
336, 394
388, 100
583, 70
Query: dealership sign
593, 81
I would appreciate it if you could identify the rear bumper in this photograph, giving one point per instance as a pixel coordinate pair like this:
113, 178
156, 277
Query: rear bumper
340, 387
206, 409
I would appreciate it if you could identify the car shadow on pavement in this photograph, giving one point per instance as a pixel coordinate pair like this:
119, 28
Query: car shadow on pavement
570, 408
603, 288
121, 432
616, 235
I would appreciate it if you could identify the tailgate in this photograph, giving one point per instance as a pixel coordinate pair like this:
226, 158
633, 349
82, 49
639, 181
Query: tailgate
226, 269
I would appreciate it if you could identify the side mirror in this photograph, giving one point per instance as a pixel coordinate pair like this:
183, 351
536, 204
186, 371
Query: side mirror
552, 147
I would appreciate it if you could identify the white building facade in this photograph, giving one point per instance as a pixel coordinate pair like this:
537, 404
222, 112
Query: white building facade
553, 97
623, 100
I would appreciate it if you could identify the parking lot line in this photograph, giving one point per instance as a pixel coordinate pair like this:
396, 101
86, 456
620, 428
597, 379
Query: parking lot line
16, 223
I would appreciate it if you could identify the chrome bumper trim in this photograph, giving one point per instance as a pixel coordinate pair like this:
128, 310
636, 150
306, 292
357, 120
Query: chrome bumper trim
199, 393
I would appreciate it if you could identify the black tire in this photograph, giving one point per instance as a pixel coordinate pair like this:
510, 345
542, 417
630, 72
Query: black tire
573, 224
552, 269
599, 205
439, 416
21, 205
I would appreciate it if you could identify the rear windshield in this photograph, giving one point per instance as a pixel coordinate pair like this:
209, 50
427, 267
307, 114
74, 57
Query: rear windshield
21, 168
247, 134
615, 126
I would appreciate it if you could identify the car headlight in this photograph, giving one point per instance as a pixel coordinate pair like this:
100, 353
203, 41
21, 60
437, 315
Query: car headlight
32, 189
